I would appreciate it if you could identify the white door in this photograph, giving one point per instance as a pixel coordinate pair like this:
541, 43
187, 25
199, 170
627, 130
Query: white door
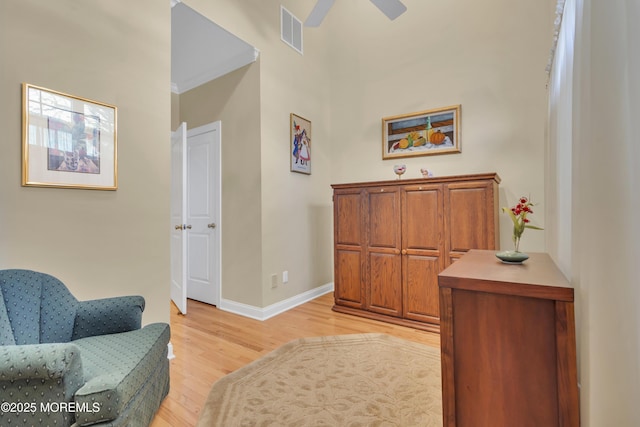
203, 213
178, 216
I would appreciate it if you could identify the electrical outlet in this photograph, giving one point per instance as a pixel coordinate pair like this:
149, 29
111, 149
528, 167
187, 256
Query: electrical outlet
285, 276
274, 280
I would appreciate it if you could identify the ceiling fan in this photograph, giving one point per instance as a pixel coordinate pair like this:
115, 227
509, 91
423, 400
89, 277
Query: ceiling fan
391, 8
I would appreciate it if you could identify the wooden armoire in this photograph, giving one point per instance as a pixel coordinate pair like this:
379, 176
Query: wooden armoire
392, 238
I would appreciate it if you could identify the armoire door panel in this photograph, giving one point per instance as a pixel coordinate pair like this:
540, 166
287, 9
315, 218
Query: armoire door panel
384, 218
421, 287
468, 227
385, 284
422, 218
348, 278
348, 218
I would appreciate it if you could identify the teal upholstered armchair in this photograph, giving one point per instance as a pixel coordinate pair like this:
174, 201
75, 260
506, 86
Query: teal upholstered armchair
64, 361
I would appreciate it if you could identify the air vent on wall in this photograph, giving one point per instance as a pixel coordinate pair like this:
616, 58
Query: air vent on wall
290, 29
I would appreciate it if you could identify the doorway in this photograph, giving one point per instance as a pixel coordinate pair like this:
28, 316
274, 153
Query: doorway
201, 51
195, 215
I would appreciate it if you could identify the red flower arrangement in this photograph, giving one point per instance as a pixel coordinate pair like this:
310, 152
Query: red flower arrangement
518, 215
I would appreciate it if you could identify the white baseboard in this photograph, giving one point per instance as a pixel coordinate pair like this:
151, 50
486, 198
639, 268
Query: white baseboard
264, 313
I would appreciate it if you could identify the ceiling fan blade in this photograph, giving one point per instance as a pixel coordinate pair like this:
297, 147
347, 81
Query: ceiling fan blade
391, 8
318, 13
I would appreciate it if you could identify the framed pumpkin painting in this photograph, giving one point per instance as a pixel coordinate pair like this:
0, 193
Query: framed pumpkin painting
421, 134
300, 148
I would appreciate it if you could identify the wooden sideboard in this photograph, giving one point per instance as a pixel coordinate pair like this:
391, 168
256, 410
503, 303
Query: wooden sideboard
392, 238
508, 343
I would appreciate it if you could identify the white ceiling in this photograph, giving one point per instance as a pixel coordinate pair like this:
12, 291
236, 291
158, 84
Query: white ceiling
202, 51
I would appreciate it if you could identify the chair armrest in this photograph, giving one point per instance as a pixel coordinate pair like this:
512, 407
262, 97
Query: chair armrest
56, 365
36, 374
108, 316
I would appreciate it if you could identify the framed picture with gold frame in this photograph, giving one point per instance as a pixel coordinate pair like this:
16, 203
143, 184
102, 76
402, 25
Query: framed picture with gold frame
300, 148
421, 134
68, 141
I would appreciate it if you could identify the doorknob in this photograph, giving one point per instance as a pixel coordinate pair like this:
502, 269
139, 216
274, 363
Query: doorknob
188, 227
179, 227
212, 225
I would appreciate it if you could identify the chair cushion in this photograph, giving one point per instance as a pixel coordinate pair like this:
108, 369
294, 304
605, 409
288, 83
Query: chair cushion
116, 367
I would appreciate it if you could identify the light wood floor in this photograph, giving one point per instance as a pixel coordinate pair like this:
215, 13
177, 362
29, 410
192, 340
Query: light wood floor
210, 343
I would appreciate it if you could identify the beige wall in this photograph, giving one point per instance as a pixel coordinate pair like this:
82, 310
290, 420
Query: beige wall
488, 56
297, 211
605, 159
100, 243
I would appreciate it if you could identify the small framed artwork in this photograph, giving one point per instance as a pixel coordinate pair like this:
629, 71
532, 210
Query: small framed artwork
67, 141
422, 133
300, 149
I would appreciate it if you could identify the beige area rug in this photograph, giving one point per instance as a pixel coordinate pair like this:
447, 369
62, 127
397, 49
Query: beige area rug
344, 380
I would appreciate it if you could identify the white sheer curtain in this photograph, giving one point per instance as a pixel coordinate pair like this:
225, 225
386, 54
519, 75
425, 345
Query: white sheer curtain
560, 137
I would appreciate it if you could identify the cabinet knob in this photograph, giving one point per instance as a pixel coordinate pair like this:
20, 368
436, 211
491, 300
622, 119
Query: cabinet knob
404, 252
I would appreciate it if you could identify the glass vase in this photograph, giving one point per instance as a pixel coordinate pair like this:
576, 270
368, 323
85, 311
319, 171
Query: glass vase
514, 256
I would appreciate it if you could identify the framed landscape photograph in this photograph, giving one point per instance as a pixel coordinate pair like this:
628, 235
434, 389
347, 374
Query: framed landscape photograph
300, 148
67, 141
421, 134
